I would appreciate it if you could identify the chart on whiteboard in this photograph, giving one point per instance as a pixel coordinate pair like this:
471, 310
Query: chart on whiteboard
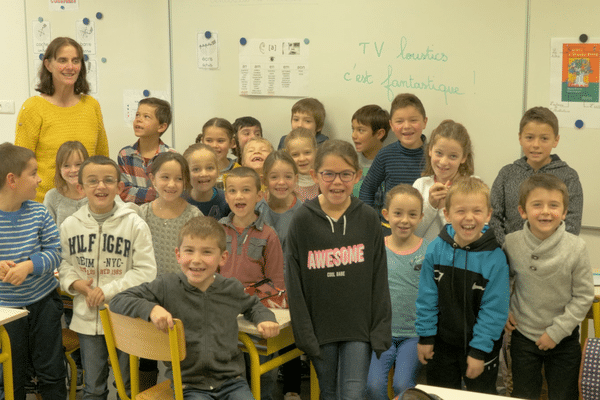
273, 67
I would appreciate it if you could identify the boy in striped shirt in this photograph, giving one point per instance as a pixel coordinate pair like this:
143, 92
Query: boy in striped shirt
29, 253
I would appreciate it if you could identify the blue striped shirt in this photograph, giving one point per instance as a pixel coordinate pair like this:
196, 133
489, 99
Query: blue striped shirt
394, 164
29, 234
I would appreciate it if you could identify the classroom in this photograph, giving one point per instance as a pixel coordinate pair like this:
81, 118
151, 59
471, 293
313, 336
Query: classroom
481, 63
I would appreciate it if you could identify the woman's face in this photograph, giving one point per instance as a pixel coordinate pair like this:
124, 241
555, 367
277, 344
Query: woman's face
65, 66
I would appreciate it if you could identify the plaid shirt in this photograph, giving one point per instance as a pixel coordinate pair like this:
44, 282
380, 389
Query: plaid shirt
135, 171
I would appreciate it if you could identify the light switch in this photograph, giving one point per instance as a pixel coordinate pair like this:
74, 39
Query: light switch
7, 106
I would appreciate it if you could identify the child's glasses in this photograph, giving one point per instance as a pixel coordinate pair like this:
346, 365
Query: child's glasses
345, 176
108, 181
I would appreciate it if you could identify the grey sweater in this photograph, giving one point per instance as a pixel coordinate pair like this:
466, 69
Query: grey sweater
209, 320
505, 195
553, 283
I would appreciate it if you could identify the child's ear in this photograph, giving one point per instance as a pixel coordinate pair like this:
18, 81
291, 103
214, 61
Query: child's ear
162, 128
313, 175
120, 187
446, 215
522, 212
223, 259
11, 180
380, 133
385, 214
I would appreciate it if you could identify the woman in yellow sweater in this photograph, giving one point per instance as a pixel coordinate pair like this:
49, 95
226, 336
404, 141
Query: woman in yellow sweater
63, 111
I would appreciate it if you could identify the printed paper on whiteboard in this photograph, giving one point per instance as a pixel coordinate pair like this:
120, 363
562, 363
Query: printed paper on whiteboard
86, 36
64, 5
208, 50
41, 36
574, 81
273, 67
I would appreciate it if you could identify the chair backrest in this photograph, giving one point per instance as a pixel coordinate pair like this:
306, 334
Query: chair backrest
589, 384
141, 339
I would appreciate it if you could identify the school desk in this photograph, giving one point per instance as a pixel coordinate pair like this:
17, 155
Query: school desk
266, 347
7, 315
454, 394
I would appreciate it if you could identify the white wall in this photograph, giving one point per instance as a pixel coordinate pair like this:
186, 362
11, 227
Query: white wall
13, 63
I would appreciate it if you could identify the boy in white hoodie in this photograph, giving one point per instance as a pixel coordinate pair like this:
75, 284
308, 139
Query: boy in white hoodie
106, 248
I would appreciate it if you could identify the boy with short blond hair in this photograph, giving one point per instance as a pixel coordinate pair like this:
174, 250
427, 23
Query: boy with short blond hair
208, 305
538, 135
462, 304
29, 253
308, 113
106, 248
403, 160
152, 119
553, 291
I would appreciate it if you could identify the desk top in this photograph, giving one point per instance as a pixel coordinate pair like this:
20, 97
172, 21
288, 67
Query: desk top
8, 314
451, 394
282, 315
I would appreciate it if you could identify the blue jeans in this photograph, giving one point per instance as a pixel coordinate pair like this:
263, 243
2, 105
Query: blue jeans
561, 366
402, 354
233, 389
94, 359
38, 337
342, 370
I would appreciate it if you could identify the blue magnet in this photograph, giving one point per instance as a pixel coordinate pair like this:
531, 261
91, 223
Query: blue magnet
243, 41
306, 41
146, 93
62, 7
86, 21
85, 57
579, 124
41, 56
99, 15
40, 19
583, 38
103, 59
207, 34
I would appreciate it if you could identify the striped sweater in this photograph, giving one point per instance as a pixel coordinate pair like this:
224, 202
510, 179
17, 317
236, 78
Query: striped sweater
29, 233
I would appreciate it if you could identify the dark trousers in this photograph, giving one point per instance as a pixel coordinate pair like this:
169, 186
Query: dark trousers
449, 365
561, 365
38, 337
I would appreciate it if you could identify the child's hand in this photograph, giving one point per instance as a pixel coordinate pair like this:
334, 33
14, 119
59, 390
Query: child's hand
474, 367
17, 273
5, 266
94, 297
511, 323
425, 352
161, 318
268, 329
437, 194
545, 343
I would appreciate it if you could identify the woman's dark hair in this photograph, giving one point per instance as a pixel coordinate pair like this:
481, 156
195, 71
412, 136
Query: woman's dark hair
46, 84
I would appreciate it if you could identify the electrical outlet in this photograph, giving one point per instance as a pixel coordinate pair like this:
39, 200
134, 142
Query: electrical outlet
7, 106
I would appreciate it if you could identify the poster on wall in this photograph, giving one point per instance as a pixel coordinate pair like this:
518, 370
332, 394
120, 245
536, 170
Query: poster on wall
574, 82
64, 5
273, 67
86, 36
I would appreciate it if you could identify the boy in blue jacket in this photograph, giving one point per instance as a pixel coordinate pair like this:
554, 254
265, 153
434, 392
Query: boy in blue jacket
462, 304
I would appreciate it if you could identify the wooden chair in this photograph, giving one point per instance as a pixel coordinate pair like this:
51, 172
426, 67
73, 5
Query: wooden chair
593, 314
141, 339
70, 342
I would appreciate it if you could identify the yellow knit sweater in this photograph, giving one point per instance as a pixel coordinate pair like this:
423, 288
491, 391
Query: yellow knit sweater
43, 127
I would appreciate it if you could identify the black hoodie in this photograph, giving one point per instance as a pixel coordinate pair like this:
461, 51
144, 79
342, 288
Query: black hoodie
336, 278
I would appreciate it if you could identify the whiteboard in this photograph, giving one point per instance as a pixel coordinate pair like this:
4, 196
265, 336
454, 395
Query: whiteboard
132, 37
472, 47
578, 147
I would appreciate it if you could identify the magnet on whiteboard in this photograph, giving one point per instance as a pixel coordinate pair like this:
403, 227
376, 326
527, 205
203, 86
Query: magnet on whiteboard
86, 21
103, 59
207, 34
579, 124
583, 38
41, 56
306, 41
40, 19
99, 15
146, 93
85, 57
243, 41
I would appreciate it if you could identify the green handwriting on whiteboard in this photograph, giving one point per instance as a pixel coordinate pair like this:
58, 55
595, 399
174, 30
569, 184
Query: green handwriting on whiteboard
393, 80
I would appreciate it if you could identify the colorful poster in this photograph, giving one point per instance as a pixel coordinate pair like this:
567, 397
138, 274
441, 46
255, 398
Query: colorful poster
581, 62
